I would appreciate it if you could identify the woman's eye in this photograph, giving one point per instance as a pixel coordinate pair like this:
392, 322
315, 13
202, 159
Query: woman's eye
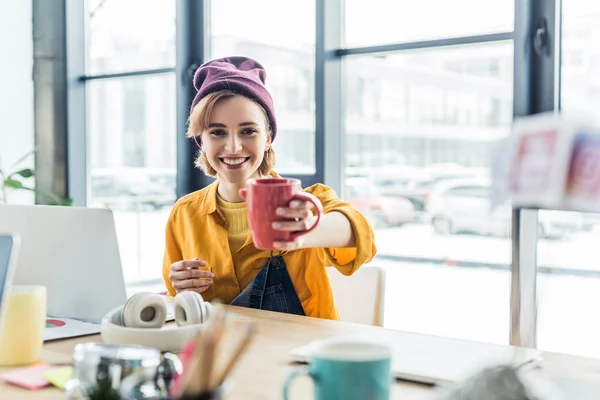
249, 131
217, 132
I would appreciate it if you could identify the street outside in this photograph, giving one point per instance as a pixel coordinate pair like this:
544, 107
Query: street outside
442, 298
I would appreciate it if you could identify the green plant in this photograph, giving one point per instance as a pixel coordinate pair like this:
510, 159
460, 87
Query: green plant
16, 179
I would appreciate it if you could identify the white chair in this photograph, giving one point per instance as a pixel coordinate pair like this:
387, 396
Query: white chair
360, 297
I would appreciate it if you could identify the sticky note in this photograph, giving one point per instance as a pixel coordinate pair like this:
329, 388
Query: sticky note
59, 376
31, 378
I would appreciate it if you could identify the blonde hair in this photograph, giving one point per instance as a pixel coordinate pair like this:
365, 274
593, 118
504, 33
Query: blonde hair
199, 120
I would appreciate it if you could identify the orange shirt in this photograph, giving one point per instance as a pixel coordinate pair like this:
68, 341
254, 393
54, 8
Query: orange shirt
196, 229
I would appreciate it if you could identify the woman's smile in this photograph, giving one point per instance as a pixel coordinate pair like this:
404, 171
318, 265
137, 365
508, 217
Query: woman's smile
234, 162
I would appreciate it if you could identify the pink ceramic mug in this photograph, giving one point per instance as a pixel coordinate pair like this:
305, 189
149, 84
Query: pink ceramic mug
263, 197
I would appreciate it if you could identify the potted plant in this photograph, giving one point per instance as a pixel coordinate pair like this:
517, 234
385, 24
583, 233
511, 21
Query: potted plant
17, 178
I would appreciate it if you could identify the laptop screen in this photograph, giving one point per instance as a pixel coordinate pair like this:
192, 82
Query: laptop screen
6, 248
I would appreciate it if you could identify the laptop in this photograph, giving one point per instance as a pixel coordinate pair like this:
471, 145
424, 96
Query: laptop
9, 250
432, 360
74, 252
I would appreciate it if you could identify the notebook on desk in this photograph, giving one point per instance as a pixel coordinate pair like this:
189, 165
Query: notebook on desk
431, 359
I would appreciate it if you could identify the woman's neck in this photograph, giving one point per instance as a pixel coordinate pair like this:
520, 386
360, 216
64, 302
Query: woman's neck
230, 192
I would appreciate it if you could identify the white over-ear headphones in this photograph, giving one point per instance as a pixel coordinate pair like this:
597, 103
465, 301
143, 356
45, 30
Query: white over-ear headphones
140, 321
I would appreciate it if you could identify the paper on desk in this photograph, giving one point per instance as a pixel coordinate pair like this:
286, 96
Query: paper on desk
62, 328
577, 389
59, 376
31, 378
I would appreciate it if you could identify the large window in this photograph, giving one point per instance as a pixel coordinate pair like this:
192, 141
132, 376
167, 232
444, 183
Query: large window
568, 265
427, 91
131, 124
420, 128
281, 36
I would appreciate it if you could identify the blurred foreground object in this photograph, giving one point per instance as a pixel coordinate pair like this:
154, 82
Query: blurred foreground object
549, 161
503, 383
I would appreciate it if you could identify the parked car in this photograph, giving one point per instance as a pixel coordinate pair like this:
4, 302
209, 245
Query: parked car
464, 205
416, 184
381, 210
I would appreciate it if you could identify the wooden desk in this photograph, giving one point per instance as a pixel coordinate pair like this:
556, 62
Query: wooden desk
261, 373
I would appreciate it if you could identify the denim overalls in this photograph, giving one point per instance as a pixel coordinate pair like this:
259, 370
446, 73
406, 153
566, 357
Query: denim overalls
272, 289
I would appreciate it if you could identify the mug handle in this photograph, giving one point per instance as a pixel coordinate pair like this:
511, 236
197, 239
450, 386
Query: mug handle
303, 370
303, 196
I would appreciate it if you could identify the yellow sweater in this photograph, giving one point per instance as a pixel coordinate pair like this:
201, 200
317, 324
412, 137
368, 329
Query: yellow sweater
236, 223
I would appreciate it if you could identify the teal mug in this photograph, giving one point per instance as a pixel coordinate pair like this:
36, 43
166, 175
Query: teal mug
348, 371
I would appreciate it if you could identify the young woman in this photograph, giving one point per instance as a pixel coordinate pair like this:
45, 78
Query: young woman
209, 247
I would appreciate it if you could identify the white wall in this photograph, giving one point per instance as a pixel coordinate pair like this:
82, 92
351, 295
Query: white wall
16, 87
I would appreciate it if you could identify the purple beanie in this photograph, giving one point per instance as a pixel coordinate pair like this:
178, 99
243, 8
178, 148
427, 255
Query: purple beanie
242, 76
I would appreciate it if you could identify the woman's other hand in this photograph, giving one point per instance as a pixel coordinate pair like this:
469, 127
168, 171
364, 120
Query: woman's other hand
190, 275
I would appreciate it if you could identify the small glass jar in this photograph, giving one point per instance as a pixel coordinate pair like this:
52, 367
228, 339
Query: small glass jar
131, 371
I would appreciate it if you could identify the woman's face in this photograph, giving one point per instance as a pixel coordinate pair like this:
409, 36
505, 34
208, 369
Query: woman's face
236, 139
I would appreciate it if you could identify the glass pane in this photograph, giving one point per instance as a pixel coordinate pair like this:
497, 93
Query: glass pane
127, 35
568, 282
420, 128
132, 158
285, 46
376, 22
568, 265
17, 99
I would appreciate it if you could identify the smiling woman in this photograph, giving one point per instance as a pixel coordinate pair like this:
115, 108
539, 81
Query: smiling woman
209, 247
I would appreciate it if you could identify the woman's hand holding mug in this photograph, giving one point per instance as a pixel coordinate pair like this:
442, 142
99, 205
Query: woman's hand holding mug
299, 217
280, 213
191, 275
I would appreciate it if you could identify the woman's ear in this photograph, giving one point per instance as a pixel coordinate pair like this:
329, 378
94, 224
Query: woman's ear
198, 141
